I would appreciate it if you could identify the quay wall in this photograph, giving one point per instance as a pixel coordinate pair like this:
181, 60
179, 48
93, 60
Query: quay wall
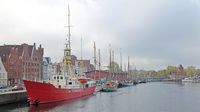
13, 96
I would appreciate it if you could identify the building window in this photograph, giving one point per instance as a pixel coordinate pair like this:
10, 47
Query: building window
61, 77
70, 83
54, 77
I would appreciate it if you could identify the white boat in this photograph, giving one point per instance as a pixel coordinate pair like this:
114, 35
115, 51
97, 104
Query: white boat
187, 79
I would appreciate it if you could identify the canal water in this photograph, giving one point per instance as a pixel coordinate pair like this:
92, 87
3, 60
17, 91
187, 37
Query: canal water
148, 97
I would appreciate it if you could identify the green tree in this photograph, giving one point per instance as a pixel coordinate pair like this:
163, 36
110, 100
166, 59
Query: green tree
190, 70
170, 69
162, 72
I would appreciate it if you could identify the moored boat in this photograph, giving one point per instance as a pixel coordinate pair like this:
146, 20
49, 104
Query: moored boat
65, 85
110, 87
125, 84
42, 92
187, 79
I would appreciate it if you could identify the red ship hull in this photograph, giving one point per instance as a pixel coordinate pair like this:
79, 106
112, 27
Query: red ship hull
45, 93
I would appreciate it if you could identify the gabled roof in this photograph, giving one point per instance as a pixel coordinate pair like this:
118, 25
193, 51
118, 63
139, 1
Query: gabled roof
30, 50
5, 50
2, 68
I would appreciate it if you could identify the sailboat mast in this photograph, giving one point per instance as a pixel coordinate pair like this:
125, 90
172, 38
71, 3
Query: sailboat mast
81, 61
99, 60
81, 48
120, 60
128, 68
95, 58
128, 65
110, 64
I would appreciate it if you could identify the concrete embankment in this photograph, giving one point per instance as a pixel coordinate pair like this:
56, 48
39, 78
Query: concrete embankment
12, 96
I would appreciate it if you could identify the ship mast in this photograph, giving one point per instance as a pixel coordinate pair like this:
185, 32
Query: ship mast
81, 48
121, 60
95, 61
128, 73
67, 49
95, 58
113, 63
69, 30
99, 60
110, 64
99, 64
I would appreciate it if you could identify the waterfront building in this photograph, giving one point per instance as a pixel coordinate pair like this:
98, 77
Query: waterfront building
97, 74
178, 74
22, 62
3, 74
102, 75
83, 65
49, 68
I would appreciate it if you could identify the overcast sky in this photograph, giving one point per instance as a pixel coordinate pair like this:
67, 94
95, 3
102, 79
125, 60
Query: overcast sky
154, 33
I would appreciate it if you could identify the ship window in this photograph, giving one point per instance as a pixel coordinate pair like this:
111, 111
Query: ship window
61, 77
57, 77
70, 83
59, 86
54, 77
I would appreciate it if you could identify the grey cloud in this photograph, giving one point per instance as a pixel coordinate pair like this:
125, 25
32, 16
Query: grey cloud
155, 33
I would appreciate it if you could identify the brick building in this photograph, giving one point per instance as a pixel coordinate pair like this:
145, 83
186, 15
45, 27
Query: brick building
83, 65
102, 75
97, 74
22, 62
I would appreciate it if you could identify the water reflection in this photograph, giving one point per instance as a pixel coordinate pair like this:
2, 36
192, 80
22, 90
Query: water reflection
15, 107
59, 106
45, 107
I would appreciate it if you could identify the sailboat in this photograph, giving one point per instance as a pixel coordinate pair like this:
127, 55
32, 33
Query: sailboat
63, 86
127, 82
110, 85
